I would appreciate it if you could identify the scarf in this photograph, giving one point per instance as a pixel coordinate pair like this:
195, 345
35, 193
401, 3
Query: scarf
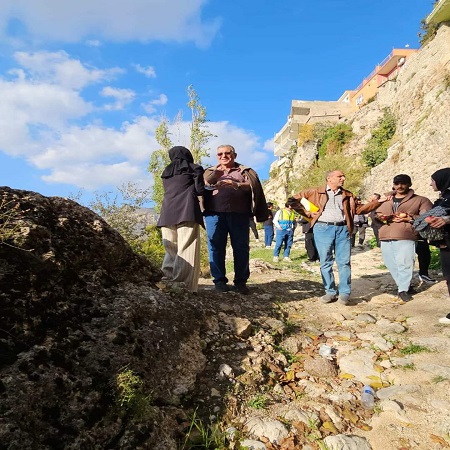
182, 161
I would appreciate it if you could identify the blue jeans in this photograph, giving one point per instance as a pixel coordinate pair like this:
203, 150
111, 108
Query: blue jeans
285, 237
268, 235
218, 226
333, 242
398, 256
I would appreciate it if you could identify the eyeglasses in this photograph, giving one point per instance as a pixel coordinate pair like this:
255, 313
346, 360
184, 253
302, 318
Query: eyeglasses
224, 154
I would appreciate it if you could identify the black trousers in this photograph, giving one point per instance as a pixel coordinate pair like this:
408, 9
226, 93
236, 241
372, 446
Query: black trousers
252, 226
423, 256
310, 246
445, 264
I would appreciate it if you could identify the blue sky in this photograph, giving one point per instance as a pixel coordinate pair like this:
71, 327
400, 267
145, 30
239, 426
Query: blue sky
83, 84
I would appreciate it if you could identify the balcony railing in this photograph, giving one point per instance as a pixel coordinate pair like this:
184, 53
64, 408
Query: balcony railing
374, 71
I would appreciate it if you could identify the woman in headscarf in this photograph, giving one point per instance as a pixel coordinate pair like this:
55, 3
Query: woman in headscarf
181, 218
440, 181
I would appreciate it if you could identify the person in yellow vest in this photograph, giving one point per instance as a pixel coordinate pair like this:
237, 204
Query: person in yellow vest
284, 222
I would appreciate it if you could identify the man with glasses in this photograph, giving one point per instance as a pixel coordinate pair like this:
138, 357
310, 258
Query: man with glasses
233, 195
332, 227
396, 234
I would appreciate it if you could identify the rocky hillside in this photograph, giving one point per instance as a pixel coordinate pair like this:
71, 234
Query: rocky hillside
92, 353
420, 99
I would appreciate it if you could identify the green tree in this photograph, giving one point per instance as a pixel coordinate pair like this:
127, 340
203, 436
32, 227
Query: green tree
199, 138
158, 160
199, 132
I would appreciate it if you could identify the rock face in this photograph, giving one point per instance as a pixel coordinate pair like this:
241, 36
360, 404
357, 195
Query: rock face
78, 307
419, 98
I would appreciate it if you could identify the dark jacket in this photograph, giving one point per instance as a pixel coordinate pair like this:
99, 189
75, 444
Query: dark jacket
444, 201
181, 191
319, 197
258, 201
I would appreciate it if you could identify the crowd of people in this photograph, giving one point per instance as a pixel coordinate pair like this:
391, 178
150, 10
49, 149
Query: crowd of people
228, 197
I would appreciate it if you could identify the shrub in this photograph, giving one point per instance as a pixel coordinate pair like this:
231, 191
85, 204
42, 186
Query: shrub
305, 134
375, 151
428, 32
333, 138
315, 176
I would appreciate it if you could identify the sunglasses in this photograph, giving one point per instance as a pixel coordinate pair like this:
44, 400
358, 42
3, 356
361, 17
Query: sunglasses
224, 154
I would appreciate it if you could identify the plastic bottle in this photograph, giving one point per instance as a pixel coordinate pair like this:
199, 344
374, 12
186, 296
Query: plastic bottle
367, 397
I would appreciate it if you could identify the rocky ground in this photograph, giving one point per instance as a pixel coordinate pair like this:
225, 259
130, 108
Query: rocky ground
268, 386
97, 353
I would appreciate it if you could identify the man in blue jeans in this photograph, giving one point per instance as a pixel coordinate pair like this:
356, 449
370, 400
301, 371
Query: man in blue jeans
332, 227
284, 223
233, 197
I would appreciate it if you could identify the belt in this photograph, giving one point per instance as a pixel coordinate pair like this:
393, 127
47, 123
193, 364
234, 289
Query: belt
336, 224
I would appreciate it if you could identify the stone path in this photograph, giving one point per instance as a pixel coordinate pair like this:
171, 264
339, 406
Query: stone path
278, 389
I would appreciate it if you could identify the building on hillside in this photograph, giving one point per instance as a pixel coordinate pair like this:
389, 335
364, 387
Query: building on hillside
386, 70
440, 13
305, 112
309, 112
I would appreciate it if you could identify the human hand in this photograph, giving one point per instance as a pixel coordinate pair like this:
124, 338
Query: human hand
385, 198
227, 183
401, 217
436, 222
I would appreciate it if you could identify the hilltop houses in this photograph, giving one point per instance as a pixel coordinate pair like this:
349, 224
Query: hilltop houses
309, 112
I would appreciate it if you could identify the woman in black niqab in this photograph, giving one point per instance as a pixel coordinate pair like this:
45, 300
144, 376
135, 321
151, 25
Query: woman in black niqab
440, 181
181, 218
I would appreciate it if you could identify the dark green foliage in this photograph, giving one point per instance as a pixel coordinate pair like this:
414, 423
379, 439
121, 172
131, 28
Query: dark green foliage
428, 32
151, 247
375, 151
333, 138
315, 176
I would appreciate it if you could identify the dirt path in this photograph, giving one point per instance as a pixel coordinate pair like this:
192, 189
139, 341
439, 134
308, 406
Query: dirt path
404, 342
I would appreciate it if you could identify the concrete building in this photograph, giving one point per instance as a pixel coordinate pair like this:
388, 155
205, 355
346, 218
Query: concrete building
309, 112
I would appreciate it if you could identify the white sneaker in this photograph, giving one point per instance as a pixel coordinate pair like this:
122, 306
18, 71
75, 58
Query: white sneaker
444, 320
287, 259
276, 259
268, 246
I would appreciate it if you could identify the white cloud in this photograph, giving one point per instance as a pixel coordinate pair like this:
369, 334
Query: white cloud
122, 96
148, 71
94, 156
119, 20
93, 43
246, 143
92, 176
58, 68
45, 120
31, 113
269, 145
150, 107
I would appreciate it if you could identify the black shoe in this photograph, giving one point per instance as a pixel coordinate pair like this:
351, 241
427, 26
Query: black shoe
222, 287
412, 291
242, 289
427, 279
404, 296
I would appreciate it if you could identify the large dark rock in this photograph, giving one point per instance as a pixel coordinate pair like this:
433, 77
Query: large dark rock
77, 306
